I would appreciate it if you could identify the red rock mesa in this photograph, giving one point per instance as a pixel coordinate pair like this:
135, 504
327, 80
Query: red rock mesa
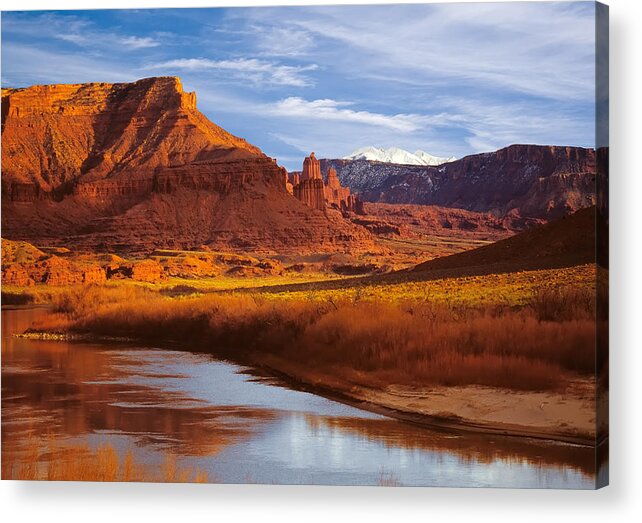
135, 166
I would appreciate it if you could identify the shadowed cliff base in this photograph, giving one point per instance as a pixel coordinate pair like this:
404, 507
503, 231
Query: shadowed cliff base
563, 243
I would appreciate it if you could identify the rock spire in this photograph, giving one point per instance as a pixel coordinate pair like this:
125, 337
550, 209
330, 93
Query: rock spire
310, 189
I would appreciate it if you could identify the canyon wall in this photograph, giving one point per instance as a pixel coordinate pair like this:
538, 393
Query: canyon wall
135, 166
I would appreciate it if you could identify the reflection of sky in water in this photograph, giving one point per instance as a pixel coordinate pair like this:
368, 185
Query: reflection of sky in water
292, 451
241, 429
219, 383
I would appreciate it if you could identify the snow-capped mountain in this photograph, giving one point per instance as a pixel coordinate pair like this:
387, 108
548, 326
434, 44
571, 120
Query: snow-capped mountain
396, 155
536, 181
429, 159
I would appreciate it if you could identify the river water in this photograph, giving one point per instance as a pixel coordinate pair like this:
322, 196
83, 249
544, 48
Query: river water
239, 427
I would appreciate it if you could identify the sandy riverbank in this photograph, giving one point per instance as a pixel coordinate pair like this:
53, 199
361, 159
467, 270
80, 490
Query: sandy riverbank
567, 416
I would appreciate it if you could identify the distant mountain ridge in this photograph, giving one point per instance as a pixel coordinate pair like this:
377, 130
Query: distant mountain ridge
397, 155
532, 181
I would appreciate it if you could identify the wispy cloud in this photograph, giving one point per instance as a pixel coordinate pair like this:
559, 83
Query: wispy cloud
32, 65
543, 49
492, 125
135, 42
123, 42
452, 79
250, 69
283, 41
77, 31
332, 110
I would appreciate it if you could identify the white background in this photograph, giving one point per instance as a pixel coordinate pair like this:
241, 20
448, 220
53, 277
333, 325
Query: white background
50, 502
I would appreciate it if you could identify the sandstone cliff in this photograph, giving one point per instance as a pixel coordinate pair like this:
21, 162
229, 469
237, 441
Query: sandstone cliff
339, 196
135, 166
55, 136
309, 188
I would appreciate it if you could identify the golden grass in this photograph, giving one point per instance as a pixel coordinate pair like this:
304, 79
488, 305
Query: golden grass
504, 289
46, 294
38, 294
507, 289
55, 462
531, 339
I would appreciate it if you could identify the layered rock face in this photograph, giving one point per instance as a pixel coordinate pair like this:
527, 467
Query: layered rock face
412, 220
24, 265
58, 136
540, 182
311, 169
135, 166
339, 196
309, 188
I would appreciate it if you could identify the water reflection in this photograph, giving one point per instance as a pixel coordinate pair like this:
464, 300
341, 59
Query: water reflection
216, 417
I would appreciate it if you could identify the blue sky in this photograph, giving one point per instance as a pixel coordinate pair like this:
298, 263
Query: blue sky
450, 79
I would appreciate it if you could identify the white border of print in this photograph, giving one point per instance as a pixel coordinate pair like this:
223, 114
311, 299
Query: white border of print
67, 502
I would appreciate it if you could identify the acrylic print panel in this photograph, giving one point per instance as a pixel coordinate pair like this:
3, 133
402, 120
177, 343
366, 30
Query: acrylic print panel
189, 293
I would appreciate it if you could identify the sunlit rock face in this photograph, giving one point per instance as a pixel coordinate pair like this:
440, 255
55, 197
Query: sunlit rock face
311, 169
309, 188
339, 196
135, 166
58, 138
24, 265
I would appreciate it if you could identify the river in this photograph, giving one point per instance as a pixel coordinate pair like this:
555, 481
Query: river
240, 427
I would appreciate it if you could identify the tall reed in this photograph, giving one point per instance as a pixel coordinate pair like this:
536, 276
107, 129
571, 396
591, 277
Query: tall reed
536, 347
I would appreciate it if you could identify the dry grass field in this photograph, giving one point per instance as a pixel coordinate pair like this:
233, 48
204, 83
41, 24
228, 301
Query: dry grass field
527, 331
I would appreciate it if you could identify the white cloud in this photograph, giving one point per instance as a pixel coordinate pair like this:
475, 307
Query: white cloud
75, 30
492, 125
74, 38
32, 65
283, 41
250, 69
540, 48
332, 110
333, 129
135, 42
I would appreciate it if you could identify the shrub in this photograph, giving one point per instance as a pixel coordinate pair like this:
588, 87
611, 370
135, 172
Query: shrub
538, 347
